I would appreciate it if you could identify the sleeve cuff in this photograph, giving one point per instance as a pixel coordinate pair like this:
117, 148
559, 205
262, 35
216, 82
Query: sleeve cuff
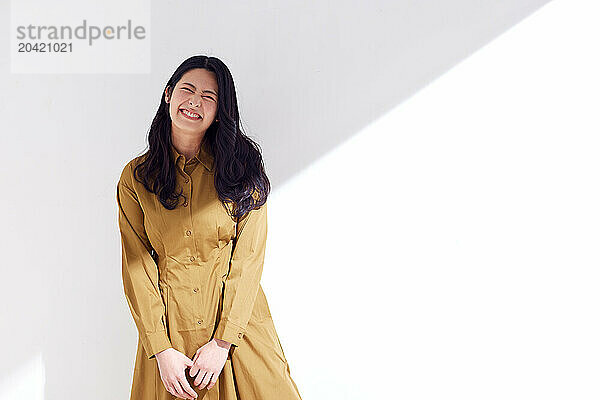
229, 332
155, 343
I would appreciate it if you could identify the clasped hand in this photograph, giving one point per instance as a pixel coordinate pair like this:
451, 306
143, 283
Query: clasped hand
206, 367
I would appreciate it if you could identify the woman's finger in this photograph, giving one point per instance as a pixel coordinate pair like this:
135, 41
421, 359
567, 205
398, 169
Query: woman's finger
213, 380
193, 369
199, 377
205, 381
186, 386
171, 389
179, 390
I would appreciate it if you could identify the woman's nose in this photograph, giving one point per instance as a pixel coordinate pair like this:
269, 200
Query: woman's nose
193, 100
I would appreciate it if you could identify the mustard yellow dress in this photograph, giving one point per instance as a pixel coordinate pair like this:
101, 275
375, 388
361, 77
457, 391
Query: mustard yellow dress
185, 282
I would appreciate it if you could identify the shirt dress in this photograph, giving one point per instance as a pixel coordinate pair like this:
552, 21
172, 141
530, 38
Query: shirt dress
189, 275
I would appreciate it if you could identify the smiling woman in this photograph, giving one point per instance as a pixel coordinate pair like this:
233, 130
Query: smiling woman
193, 223
192, 102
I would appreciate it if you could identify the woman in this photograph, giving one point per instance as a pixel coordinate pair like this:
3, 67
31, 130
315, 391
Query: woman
193, 223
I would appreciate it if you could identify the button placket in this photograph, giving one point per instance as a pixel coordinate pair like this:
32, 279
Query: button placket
188, 233
186, 179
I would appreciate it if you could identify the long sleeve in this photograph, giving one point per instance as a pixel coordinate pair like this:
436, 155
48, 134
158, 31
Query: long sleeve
139, 270
243, 280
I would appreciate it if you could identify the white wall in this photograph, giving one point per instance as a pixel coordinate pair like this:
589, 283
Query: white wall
433, 226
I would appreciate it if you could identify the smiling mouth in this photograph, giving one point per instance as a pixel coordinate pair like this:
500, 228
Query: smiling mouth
190, 115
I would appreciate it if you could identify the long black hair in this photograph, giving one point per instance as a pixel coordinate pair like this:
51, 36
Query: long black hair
240, 178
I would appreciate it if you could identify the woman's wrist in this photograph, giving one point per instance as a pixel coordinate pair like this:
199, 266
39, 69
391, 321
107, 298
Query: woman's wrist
161, 353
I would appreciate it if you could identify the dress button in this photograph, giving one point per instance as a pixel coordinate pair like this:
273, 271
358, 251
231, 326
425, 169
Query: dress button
200, 322
240, 335
188, 233
185, 204
195, 290
192, 258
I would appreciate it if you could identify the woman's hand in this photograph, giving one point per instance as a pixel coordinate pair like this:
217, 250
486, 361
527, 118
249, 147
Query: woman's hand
172, 365
208, 362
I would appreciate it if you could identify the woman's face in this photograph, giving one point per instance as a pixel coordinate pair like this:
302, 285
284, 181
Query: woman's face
196, 93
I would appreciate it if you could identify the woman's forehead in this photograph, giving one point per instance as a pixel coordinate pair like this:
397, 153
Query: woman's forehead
200, 78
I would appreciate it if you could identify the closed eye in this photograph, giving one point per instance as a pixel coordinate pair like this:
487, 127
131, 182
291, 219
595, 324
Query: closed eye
191, 91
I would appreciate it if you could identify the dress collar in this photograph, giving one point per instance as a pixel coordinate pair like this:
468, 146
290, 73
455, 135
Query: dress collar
204, 156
